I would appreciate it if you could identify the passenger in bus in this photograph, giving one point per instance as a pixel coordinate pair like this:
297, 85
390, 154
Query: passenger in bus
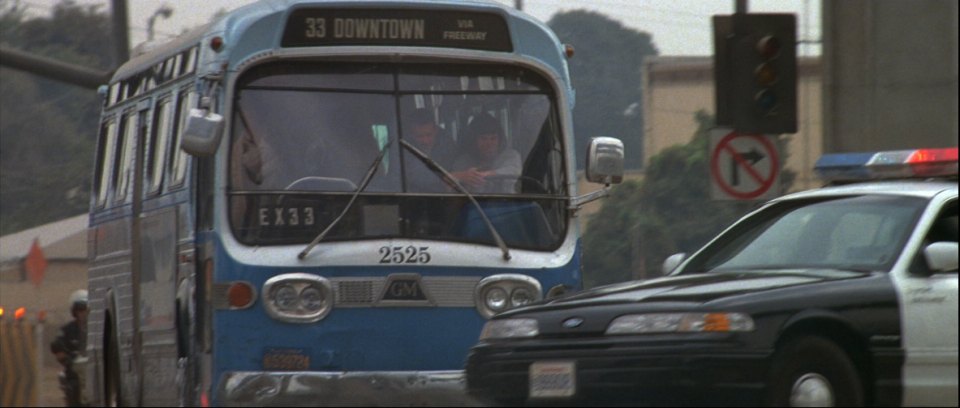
487, 164
426, 136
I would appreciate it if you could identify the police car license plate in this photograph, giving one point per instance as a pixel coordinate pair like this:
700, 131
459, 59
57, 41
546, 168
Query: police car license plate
552, 379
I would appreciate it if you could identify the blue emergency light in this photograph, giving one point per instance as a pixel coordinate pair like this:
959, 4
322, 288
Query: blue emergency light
919, 163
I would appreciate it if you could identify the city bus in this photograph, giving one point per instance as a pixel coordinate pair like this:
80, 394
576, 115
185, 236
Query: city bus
268, 228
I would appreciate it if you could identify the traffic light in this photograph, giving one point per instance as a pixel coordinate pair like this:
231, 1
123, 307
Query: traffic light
755, 72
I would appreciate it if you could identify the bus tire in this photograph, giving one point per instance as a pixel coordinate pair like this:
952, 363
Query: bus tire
813, 371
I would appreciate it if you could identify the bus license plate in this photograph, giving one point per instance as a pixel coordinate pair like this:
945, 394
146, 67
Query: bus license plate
552, 379
286, 359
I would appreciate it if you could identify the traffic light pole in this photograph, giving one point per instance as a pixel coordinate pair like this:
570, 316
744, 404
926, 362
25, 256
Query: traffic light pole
755, 71
70, 73
53, 69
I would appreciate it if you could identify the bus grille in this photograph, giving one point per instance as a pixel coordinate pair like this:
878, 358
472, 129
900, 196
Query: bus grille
444, 291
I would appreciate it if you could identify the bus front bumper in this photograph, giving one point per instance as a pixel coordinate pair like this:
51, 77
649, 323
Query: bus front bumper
358, 388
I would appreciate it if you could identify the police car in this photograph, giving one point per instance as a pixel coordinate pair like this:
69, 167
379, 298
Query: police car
844, 295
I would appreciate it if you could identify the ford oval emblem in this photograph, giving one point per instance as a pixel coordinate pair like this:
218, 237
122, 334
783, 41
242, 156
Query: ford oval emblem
572, 322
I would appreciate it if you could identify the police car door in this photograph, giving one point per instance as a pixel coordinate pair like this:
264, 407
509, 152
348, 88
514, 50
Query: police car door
928, 310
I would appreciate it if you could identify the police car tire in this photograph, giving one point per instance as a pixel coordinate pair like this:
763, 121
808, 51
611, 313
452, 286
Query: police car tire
818, 357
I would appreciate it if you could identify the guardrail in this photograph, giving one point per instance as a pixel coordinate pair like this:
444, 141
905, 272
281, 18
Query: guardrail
21, 357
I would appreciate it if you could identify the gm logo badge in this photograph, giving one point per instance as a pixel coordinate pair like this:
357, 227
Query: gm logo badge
572, 322
404, 289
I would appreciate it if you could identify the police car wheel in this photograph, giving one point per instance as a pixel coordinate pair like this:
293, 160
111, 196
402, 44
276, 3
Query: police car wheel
812, 371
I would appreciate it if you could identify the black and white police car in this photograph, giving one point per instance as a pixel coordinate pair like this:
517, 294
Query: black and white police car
843, 295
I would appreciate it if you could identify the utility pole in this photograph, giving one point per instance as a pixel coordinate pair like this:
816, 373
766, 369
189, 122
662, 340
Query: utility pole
518, 4
121, 30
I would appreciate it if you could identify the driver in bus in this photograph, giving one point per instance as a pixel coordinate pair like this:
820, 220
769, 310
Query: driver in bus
487, 164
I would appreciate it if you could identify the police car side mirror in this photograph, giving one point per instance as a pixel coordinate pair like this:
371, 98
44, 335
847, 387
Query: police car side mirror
672, 262
605, 160
941, 256
201, 135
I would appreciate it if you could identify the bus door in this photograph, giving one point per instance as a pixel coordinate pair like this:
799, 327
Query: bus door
157, 233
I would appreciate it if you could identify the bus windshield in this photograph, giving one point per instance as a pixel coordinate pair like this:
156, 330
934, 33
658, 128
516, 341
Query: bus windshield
305, 135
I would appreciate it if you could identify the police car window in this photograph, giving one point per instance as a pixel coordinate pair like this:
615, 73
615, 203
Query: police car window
847, 233
944, 229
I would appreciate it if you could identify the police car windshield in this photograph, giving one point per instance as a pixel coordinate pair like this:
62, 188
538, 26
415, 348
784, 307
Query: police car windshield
852, 233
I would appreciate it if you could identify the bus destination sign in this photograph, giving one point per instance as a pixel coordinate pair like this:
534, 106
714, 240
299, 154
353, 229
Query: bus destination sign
311, 27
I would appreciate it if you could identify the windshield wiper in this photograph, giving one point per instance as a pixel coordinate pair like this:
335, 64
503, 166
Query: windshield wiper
449, 179
363, 185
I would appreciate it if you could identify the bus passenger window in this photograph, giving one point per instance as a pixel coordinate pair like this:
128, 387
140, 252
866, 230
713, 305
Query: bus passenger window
178, 158
158, 147
121, 175
105, 159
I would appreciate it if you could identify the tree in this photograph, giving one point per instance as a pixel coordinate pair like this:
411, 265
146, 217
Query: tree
48, 129
606, 72
669, 211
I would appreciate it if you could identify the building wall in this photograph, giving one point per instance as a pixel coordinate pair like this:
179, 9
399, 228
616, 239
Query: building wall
676, 88
60, 280
890, 77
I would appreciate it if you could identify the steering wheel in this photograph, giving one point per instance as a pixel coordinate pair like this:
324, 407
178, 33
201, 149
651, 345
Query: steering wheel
317, 183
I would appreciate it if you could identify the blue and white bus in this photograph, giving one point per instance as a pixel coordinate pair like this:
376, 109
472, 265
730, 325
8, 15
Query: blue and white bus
268, 229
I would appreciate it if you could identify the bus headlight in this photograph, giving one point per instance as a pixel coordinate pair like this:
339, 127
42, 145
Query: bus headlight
521, 296
497, 293
284, 297
298, 297
311, 298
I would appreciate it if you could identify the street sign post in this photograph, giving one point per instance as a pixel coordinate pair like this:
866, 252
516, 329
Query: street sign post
743, 166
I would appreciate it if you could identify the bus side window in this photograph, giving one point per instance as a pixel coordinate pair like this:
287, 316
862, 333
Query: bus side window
178, 158
156, 157
105, 160
125, 146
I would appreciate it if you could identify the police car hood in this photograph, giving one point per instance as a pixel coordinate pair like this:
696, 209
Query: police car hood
700, 288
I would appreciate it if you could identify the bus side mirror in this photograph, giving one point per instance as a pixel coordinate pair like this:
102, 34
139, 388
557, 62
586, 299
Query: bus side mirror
605, 160
201, 135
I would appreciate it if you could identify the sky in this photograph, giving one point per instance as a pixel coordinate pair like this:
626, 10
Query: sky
678, 27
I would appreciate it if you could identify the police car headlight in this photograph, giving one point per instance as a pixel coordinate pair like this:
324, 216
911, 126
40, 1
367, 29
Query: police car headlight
298, 297
497, 293
680, 322
509, 329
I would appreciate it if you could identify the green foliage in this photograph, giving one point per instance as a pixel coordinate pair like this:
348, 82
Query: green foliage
48, 130
606, 76
670, 211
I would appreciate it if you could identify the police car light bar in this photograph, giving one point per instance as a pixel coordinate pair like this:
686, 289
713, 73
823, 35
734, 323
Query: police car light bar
920, 163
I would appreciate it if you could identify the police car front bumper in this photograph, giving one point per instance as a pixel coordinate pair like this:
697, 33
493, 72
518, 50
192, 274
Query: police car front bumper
370, 388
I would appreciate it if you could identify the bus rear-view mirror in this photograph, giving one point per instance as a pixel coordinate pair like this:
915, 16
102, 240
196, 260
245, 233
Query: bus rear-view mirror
605, 160
201, 136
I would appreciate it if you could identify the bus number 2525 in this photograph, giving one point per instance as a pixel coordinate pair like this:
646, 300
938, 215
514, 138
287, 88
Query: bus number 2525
404, 255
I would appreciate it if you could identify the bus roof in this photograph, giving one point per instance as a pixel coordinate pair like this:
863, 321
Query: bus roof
529, 36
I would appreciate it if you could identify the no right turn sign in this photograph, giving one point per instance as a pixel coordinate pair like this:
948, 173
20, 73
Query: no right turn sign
743, 166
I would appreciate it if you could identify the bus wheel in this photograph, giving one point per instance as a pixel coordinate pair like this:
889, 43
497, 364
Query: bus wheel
812, 371
111, 367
